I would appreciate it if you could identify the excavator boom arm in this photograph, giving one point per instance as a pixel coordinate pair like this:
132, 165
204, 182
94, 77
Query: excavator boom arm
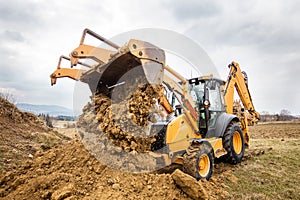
237, 80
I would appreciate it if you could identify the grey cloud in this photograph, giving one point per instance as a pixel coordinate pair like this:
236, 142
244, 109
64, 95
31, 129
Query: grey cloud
9, 68
267, 40
279, 35
16, 10
266, 36
186, 10
12, 35
14, 75
13, 71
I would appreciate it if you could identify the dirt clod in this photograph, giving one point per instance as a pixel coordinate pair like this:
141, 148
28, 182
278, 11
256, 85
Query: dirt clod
189, 185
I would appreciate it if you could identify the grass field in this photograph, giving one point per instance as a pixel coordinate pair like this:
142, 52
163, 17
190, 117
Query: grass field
275, 174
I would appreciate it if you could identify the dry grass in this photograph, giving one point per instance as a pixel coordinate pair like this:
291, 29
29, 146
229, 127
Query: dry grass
273, 175
67, 128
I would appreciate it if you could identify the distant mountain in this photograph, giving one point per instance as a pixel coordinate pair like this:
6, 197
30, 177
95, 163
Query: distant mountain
51, 110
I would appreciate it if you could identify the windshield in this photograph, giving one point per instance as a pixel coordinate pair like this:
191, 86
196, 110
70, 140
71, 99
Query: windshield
214, 96
197, 92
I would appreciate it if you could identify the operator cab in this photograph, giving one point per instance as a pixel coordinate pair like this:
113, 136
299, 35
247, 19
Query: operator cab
207, 94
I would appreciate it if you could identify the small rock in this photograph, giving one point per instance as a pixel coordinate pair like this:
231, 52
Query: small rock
46, 195
118, 149
139, 186
127, 149
30, 156
62, 193
131, 167
189, 185
133, 145
116, 186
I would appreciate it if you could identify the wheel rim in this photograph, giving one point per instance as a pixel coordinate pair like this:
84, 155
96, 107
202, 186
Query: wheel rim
237, 142
204, 165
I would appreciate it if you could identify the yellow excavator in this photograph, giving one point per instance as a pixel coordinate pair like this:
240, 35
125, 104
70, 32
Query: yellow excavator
202, 125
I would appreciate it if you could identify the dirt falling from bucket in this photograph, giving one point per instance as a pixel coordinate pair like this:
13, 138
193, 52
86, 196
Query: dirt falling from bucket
125, 123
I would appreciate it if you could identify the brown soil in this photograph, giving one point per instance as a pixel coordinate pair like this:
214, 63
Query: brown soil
21, 135
276, 130
70, 171
67, 170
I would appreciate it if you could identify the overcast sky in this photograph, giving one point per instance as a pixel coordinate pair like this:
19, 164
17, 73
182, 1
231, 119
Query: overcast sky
263, 36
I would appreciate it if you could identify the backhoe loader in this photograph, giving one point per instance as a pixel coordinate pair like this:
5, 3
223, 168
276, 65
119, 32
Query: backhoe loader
197, 124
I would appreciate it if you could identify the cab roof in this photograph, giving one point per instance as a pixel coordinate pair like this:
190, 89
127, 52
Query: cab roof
202, 79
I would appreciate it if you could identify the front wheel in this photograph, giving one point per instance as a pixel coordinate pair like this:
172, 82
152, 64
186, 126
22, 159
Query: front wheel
233, 142
198, 161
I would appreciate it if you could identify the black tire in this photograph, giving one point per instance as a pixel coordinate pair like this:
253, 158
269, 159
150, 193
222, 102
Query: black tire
233, 142
196, 153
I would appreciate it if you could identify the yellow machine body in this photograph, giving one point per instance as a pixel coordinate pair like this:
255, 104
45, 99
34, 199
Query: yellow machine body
184, 128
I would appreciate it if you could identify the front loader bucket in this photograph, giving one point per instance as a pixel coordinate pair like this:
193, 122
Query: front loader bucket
135, 59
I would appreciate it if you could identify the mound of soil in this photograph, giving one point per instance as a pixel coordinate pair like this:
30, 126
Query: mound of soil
69, 171
21, 135
9, 112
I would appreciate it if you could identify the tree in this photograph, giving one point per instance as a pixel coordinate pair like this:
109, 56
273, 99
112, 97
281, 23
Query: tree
7, 95
285, 112
48, 121
264, 113
285, 115
265, 116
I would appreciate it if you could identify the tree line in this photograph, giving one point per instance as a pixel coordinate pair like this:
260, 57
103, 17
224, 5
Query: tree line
284, 115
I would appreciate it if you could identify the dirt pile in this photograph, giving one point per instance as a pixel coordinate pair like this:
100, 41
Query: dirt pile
124, 122
70, 171
21, 135
9, 111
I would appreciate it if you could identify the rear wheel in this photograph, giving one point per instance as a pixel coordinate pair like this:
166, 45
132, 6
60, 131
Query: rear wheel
233, 142
198, 160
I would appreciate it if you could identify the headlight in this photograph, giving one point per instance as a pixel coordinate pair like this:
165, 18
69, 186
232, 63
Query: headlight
206, 102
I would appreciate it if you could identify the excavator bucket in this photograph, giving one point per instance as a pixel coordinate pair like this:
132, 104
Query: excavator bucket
136, 58
133, 60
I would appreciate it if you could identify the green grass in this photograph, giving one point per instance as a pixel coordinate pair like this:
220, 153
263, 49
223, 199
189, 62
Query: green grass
273, 175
